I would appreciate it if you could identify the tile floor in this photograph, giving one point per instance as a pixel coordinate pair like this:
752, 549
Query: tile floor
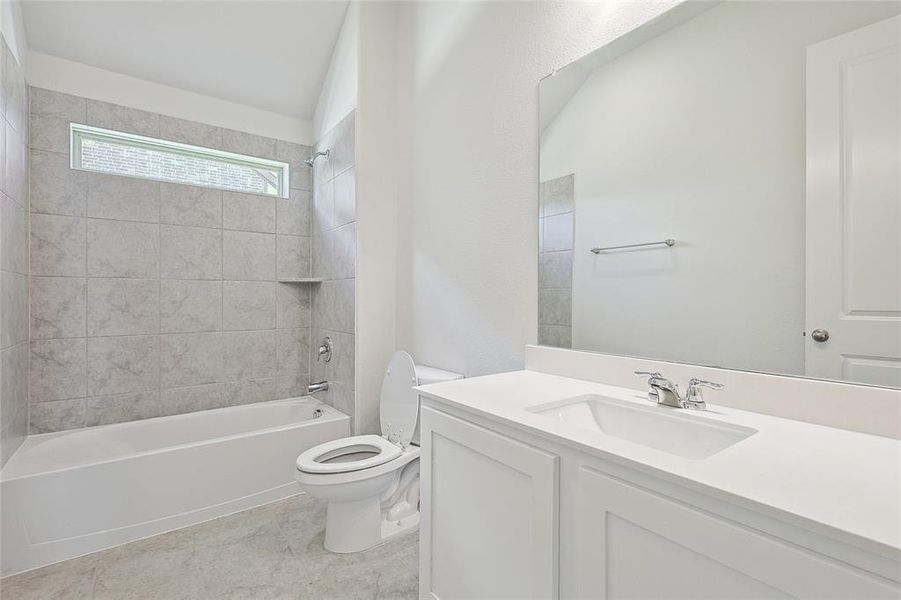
273, 551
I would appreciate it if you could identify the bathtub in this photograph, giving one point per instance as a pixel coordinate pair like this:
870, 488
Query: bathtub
70, 493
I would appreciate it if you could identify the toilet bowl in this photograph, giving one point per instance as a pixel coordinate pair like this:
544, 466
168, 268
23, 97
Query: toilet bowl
370, 482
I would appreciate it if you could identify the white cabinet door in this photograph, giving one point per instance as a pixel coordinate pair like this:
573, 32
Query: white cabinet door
854, 206
634, 543
489, 514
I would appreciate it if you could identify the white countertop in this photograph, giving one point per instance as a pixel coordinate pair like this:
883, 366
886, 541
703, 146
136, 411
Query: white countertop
843, 482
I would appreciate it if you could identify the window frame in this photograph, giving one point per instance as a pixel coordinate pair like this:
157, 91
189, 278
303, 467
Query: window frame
79, 132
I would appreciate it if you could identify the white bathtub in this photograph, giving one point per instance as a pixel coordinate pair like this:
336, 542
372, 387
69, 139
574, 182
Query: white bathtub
74, 492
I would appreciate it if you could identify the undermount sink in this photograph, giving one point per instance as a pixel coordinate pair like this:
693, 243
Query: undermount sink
657, 427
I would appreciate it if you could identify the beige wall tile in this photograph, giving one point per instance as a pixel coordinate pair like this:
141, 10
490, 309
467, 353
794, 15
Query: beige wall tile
190, 359
57, 245
190, 306
58, 307
123, 249
123, 307
293, 260
119, 408
294, 214
56, 188
248, 144
248, 355
190, 205
292, 305
58, 415
171, 270
248, 256
117, 365
190, 132
248, 305
122, 198
122, 118
176, 401
293, 351
58, 369
248, 212
190, 252
301, 176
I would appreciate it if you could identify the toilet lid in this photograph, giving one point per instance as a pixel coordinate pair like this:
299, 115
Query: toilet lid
399, 403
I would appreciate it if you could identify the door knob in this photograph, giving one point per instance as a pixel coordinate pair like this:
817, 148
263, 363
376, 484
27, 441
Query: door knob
819, 335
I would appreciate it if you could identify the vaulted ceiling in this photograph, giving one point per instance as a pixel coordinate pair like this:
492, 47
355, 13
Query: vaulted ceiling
265, 54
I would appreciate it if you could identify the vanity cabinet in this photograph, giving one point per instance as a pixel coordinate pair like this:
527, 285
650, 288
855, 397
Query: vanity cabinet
491, 505
506, 514
637, 543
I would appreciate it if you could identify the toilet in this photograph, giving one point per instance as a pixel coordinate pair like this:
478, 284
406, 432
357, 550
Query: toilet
371, 482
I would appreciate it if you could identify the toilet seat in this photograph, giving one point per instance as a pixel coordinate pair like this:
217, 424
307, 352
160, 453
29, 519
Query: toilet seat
311, 481
326, 457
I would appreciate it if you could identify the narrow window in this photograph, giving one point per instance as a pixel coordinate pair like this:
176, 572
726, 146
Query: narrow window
118, 153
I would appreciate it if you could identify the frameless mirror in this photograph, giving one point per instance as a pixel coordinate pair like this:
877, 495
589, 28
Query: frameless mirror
722, 186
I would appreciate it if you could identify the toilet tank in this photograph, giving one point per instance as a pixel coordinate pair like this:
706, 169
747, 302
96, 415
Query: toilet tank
426, 375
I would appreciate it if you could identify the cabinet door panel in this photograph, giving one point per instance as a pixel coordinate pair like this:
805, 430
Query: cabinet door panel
643, 564
489, 514
635, 543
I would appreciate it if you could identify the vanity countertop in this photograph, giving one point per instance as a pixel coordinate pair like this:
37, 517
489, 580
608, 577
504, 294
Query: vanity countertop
844, 484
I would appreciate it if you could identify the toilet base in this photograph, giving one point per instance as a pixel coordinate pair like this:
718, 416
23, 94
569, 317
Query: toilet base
360, 525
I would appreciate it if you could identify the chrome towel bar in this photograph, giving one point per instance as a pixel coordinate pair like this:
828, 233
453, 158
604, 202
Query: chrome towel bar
668, 242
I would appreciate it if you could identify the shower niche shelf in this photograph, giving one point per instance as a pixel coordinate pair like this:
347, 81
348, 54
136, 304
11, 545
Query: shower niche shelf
311, 280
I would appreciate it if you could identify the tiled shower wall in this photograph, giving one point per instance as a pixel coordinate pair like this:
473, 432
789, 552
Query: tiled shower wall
13, 254
334, 260
555, 267
149, 298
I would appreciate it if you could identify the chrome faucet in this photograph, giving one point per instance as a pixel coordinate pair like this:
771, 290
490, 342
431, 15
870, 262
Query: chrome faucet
319, 386
663, 391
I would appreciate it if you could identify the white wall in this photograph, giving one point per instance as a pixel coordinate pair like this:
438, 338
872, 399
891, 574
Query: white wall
700, 133
361, 77
376, 193
75, 78
339, 89
12, 28
468, 174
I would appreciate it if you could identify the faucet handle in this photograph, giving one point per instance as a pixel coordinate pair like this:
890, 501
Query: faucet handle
693, 396
650, 374
696, 383
325, 350
656, 379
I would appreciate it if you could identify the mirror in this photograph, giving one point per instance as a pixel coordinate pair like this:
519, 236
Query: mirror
722, 186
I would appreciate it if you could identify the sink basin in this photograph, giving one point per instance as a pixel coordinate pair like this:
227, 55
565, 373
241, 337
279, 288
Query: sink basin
658, 427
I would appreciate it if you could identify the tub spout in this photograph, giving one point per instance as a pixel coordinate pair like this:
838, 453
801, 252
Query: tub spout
320, 386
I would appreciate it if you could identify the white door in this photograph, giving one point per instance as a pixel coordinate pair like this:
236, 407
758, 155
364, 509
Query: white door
854, 206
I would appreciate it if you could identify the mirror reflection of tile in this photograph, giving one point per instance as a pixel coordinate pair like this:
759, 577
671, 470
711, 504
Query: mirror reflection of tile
555, 261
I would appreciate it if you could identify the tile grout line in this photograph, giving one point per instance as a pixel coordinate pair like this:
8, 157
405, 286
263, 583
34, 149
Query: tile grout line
159, 302
221, 339
87, 383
